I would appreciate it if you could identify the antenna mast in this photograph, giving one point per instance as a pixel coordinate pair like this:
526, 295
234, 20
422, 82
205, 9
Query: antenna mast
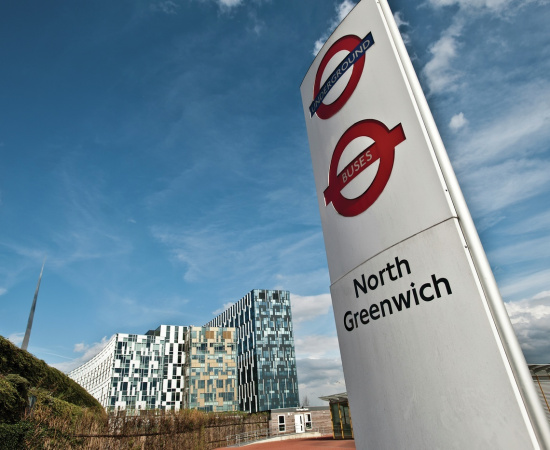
31, 315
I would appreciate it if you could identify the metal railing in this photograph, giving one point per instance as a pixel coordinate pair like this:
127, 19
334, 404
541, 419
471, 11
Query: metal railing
240, 439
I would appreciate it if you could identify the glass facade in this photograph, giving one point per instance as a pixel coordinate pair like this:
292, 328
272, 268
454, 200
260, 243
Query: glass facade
266, 360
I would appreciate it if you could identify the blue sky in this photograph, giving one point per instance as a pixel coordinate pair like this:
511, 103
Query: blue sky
155, 152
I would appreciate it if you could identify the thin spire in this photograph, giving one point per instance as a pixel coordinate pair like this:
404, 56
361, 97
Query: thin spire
31, 315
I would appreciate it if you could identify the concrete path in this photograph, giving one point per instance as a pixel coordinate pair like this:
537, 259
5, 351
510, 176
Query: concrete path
295, 444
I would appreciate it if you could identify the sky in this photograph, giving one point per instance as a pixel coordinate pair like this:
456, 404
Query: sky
154, 152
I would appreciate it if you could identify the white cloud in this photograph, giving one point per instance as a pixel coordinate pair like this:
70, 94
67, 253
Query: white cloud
439, 71
342, 10
317, 351
229, 3
531, 321
320, 377
88, 352
16, 338
3, 291
305, 308
399, 20
458, 121
315, 346
79, 348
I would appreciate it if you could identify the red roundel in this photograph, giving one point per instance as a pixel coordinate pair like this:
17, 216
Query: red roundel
383, 148
348, 43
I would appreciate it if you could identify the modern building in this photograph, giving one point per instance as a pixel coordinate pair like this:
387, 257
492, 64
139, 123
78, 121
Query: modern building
166, 368
266, 361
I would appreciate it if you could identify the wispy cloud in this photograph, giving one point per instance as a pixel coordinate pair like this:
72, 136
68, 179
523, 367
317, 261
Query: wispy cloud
534, 223
141, 312
519, 127
16, 338
88, 351
165, 6
524, 282
493, 5
88, 232
401, 24
171, 6
522, 251
276, 257
342, 9
257, 25
501, 161
493, 188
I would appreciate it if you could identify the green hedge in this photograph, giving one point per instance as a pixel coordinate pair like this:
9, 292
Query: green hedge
12, 403
12, 436
13, 360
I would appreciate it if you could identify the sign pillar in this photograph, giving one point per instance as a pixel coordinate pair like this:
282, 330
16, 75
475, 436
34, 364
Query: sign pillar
429, 355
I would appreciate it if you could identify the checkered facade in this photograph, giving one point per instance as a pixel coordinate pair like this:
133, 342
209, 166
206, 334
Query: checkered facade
136, 372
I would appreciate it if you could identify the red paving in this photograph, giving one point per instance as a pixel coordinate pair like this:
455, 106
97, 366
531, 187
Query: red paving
287, 444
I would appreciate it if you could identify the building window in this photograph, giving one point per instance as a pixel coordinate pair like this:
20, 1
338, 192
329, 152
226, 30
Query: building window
282, 426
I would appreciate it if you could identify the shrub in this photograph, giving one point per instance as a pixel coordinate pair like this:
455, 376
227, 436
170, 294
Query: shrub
13, 436
13, 360
13, 398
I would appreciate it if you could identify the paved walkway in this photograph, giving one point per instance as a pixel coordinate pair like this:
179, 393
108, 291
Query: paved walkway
295, 444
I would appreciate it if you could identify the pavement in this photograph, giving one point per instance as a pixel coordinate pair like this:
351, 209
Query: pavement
295, 444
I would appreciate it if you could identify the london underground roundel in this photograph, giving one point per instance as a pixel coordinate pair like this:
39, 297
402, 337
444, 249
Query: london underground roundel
383, 149
355, 48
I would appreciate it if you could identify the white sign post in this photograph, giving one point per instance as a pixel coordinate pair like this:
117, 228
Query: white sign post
429, 355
